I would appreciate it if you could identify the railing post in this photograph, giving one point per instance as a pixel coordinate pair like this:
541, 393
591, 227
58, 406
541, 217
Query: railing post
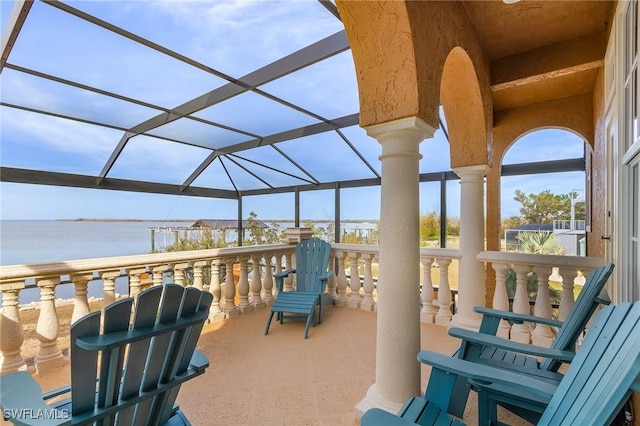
542, 334
521, 332
444, 315
80, 302
368, 304
230, 308
49, 355
108, 287
427, 313
500, 297
267, 281
341, 287
243, 287
11, 333
354, 282
215, 313
256, 283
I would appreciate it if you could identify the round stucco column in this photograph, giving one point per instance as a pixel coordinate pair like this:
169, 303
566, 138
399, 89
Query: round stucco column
471, 278
398, 321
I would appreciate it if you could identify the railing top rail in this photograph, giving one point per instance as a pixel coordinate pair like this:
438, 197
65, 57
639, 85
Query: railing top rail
10, 273
578, 262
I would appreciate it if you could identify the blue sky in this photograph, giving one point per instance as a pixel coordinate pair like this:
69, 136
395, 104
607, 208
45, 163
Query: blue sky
221, 34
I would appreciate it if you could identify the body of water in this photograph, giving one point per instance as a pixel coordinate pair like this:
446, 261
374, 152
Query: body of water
25, 242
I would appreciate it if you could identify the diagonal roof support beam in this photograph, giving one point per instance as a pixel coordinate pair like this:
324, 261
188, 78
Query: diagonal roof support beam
338, 123
12, 30
316, 52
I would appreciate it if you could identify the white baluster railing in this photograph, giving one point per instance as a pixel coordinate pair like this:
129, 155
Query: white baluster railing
565, 270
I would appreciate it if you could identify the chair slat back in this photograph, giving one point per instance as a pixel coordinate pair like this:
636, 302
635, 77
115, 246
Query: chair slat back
584, 307
143, 370
600, 378
312, 259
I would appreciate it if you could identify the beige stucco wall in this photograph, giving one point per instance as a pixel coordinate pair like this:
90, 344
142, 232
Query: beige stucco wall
400, 50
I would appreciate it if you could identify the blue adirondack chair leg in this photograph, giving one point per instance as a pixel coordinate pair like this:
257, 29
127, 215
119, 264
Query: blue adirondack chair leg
312, 273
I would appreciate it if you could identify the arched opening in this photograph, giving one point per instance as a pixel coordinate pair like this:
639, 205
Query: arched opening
544, 193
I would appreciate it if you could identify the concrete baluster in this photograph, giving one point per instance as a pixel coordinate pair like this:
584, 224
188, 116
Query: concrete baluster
444, 315
521, 332
49, 355
198, 276
427, 313
158, 272
80, 301
332, 282
354, 282
368, 303
109, 287
256, 283
501, 298
278, 269
341, 286
215, 313
288, 281
267, 280
230, 308
179, 275
567, 299
135, 281
243, 287
543, 334
11, 333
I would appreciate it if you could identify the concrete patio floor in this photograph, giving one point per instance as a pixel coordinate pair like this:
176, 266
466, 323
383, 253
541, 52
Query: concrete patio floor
282, 379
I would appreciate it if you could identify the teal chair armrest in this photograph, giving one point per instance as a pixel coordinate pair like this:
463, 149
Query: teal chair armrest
280, 276
510, 345
22, 404
484, 374
199, 361
516, 317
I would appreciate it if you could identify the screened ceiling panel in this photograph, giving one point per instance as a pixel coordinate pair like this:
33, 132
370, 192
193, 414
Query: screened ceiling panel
41, 142
215, 176
270, 157
48, 96
200, 134
369, 148
62, 45
327, 157
328, 88
155, 160
257, 114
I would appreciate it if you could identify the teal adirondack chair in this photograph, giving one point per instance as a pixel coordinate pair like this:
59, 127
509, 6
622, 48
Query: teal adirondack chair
484, 347
312, 273
139, 364
600, 379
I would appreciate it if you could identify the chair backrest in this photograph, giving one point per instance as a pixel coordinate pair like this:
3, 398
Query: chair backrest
139, 358
312, 259
603, 373
586, 304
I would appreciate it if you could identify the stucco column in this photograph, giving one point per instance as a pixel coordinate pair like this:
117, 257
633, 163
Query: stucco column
398, 320
471, 278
